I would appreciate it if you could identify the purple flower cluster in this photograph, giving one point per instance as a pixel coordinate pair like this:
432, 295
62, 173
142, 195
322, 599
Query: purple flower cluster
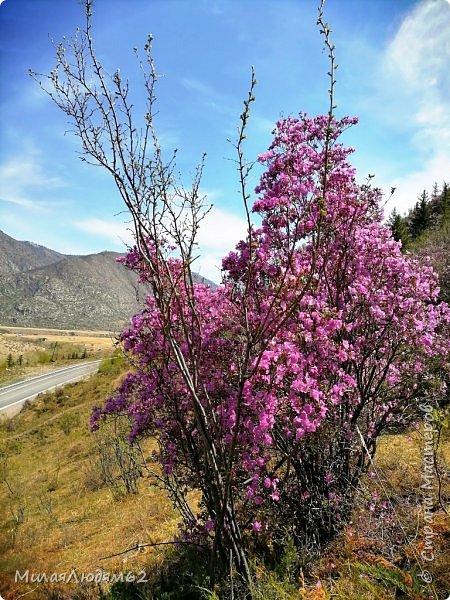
320, 321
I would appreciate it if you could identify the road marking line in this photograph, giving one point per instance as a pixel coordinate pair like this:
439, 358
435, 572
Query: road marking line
43, 391
50, 373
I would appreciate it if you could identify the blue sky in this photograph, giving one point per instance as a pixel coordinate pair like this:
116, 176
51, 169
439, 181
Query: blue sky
394, 73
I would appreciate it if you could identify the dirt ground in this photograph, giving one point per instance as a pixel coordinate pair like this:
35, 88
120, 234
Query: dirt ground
22, 340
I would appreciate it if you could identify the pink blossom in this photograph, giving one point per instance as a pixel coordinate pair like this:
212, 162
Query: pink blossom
256, 526
319, 318
209, 525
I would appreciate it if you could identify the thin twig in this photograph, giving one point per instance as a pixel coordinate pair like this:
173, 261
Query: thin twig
139, 547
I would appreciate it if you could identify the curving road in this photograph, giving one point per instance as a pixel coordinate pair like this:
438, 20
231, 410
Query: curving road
14, 395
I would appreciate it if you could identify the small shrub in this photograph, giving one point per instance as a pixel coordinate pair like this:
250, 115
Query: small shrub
93, 479
44, 358
117, 463
46, 503
182, 576
68, 421
26, 405
75, 450
113, 365
59, 394
10, 425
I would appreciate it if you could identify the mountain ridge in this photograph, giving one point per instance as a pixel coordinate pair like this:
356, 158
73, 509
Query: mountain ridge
18, 256
40, 287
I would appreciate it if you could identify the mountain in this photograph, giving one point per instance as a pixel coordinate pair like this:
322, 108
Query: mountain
43, 288
18, 256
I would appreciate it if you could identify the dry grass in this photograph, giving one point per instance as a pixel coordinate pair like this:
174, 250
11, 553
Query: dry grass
57, 516
21, 340
40, 350
382, 548
54, 520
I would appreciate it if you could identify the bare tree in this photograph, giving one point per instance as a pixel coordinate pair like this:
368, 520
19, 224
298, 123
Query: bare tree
166, 215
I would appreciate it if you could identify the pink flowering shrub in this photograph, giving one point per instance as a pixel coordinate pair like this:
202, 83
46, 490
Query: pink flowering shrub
266, 394
261, 391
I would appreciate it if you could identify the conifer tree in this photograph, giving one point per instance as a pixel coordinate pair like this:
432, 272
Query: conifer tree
443, 203
435, 192
397, 225
420, 218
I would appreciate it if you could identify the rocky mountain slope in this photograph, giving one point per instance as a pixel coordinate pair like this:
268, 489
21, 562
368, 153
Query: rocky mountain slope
42, 288
18, 256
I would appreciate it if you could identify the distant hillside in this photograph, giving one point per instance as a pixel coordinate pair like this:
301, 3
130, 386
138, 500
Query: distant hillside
425, 232
430, 213
42, 288
18, 256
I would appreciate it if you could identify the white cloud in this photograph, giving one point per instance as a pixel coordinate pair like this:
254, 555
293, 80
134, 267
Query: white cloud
169, 139
210, 97
416, 75
117, 233
221, 230
219, 233
22, 178
263, 124
216, 7
198, 86
418, 49
435, 170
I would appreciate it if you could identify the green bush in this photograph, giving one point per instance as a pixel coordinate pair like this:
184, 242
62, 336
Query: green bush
68, 421
44, 358
113, 365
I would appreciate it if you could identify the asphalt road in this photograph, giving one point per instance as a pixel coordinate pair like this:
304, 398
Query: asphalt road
14, 395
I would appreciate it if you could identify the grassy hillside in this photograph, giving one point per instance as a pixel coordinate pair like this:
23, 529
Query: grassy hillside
59, 511
425, 232
63, 511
